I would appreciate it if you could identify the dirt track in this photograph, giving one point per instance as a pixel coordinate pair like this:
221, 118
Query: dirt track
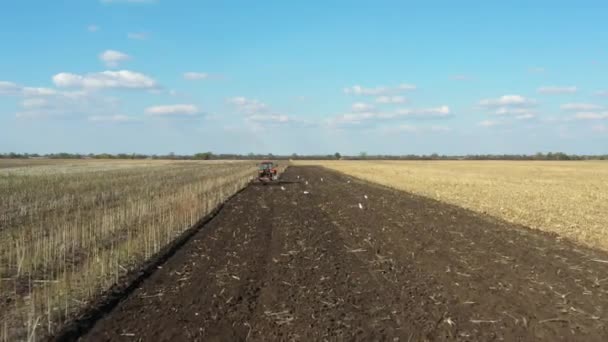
280, 265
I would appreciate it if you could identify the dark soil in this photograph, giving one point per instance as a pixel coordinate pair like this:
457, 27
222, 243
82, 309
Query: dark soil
279, 264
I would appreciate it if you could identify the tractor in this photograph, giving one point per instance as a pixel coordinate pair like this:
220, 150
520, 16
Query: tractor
267, 171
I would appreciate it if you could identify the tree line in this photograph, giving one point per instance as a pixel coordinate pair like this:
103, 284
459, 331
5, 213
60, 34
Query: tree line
294, 156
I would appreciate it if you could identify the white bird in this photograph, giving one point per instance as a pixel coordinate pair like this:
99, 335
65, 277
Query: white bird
360, 206
306, 182
365, 196
306, 192
348, 182
298, 177
321, 179
283, 188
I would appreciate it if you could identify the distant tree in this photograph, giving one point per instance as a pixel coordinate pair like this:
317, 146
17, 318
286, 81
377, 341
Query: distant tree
337, 155
363, 155
203, 156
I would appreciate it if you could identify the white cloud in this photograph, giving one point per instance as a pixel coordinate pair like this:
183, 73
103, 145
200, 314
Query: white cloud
490, 123
93, 28
41, 102
378, 91
35, 103
600, 128
104, 80
361, 107
518, 112
9, 88
507, 101
272, 118
591, 115
391, 99
112, 58
138, 35
248, 106
580, 107
66, 105
359, 117
602, 93
173, 110
193, 76
557, 90
111, 118
442, 111
33, 91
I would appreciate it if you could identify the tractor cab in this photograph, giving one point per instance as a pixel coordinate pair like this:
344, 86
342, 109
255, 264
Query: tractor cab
267, 170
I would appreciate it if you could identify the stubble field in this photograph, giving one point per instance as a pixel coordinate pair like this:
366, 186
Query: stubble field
70, 229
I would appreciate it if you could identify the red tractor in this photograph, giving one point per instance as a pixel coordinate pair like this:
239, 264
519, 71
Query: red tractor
267, 171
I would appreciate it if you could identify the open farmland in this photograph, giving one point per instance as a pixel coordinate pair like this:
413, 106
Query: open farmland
326, 257
567, 198
70, 229
319, 255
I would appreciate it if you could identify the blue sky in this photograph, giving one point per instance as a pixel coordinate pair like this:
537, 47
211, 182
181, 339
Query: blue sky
389, 77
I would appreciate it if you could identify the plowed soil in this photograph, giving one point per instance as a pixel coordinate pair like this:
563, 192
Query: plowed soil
329, 257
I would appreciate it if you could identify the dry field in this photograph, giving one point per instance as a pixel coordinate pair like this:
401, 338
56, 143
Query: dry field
567, 198
69, 229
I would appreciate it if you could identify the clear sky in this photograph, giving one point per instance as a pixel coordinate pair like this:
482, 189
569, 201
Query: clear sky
388, 77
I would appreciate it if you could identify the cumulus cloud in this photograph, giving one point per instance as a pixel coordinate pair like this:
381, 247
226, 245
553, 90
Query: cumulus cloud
42, 102
555, 90
124, 79
34, 91
378, 91
173, 110
194, 76
13, 89
112, 58
396, 99
356, 118
507, 101
580, 107
248, 106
